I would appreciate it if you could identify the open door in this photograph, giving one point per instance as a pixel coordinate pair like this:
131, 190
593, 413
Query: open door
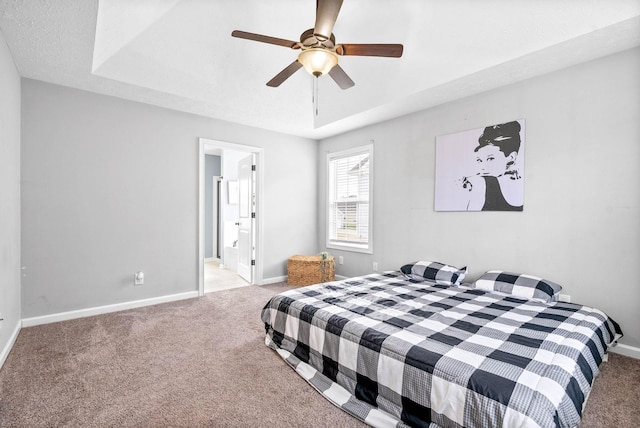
246, 208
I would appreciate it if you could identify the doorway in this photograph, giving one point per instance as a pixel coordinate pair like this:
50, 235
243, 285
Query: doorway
236, 245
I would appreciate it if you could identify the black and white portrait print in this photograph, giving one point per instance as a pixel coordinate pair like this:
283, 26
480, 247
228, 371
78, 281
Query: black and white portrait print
481, 169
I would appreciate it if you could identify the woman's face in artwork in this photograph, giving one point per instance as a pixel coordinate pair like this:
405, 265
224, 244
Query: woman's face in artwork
491, 161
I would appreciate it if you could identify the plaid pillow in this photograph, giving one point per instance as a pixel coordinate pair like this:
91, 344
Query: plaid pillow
520, 285
434, 271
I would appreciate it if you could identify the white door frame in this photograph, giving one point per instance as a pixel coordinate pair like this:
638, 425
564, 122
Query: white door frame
246, 238
215, 221
203, 144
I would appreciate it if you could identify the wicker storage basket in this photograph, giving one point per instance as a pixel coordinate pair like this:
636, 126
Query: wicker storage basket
307, 270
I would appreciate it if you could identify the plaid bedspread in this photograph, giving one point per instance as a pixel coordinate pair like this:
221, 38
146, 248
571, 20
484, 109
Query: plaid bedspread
395, 352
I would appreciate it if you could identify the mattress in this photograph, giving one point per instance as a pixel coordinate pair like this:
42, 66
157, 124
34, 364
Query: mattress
398, 352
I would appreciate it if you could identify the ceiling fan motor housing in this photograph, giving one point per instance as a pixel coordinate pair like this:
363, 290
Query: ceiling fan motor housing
310, 40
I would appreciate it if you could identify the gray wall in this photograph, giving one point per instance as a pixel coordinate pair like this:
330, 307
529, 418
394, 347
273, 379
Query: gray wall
10, 198
212, 168
580, 226
110, 187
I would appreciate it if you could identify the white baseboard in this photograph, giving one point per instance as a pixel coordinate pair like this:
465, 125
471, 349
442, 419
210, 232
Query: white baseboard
81, 313
284, 279
274, 279
12, 340
626, 350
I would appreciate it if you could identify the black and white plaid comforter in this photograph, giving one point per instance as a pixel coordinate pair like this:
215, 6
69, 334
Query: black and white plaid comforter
394, 352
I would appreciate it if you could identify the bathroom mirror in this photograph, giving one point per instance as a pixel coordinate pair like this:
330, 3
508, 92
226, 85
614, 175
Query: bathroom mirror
232, 192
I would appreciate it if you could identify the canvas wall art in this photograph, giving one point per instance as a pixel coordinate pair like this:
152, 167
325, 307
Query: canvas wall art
481, 169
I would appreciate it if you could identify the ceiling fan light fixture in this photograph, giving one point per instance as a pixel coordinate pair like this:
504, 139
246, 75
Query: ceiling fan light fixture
318, 61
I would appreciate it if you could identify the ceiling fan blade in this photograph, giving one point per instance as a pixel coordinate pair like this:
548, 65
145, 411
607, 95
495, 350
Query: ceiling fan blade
340, 77
388, 50
264, 39
284, 74
326, 15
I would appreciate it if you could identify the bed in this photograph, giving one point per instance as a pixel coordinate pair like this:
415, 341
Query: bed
398, 350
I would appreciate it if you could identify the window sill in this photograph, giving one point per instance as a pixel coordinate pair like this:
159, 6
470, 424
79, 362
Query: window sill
355, 248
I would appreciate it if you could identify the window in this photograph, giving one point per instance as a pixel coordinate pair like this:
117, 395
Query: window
349, 220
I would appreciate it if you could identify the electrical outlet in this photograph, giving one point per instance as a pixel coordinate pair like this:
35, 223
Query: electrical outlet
564, 298
375, 266
138, 278
340, 260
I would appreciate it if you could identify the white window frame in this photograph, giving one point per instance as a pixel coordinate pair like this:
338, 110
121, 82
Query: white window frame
343, 245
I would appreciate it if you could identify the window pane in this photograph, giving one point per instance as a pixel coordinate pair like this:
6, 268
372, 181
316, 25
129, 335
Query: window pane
348, 215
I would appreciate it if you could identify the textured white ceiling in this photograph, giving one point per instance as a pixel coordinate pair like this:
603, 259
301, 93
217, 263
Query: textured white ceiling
180, 54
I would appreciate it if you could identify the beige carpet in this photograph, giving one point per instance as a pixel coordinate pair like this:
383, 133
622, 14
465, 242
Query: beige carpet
199, 362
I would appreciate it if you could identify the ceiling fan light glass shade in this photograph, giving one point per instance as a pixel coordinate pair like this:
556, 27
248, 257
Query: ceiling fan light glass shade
317, 61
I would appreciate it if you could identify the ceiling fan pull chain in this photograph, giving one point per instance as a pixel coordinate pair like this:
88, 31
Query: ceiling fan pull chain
315, 94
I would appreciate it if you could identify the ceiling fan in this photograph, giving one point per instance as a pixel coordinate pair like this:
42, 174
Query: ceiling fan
318, 49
